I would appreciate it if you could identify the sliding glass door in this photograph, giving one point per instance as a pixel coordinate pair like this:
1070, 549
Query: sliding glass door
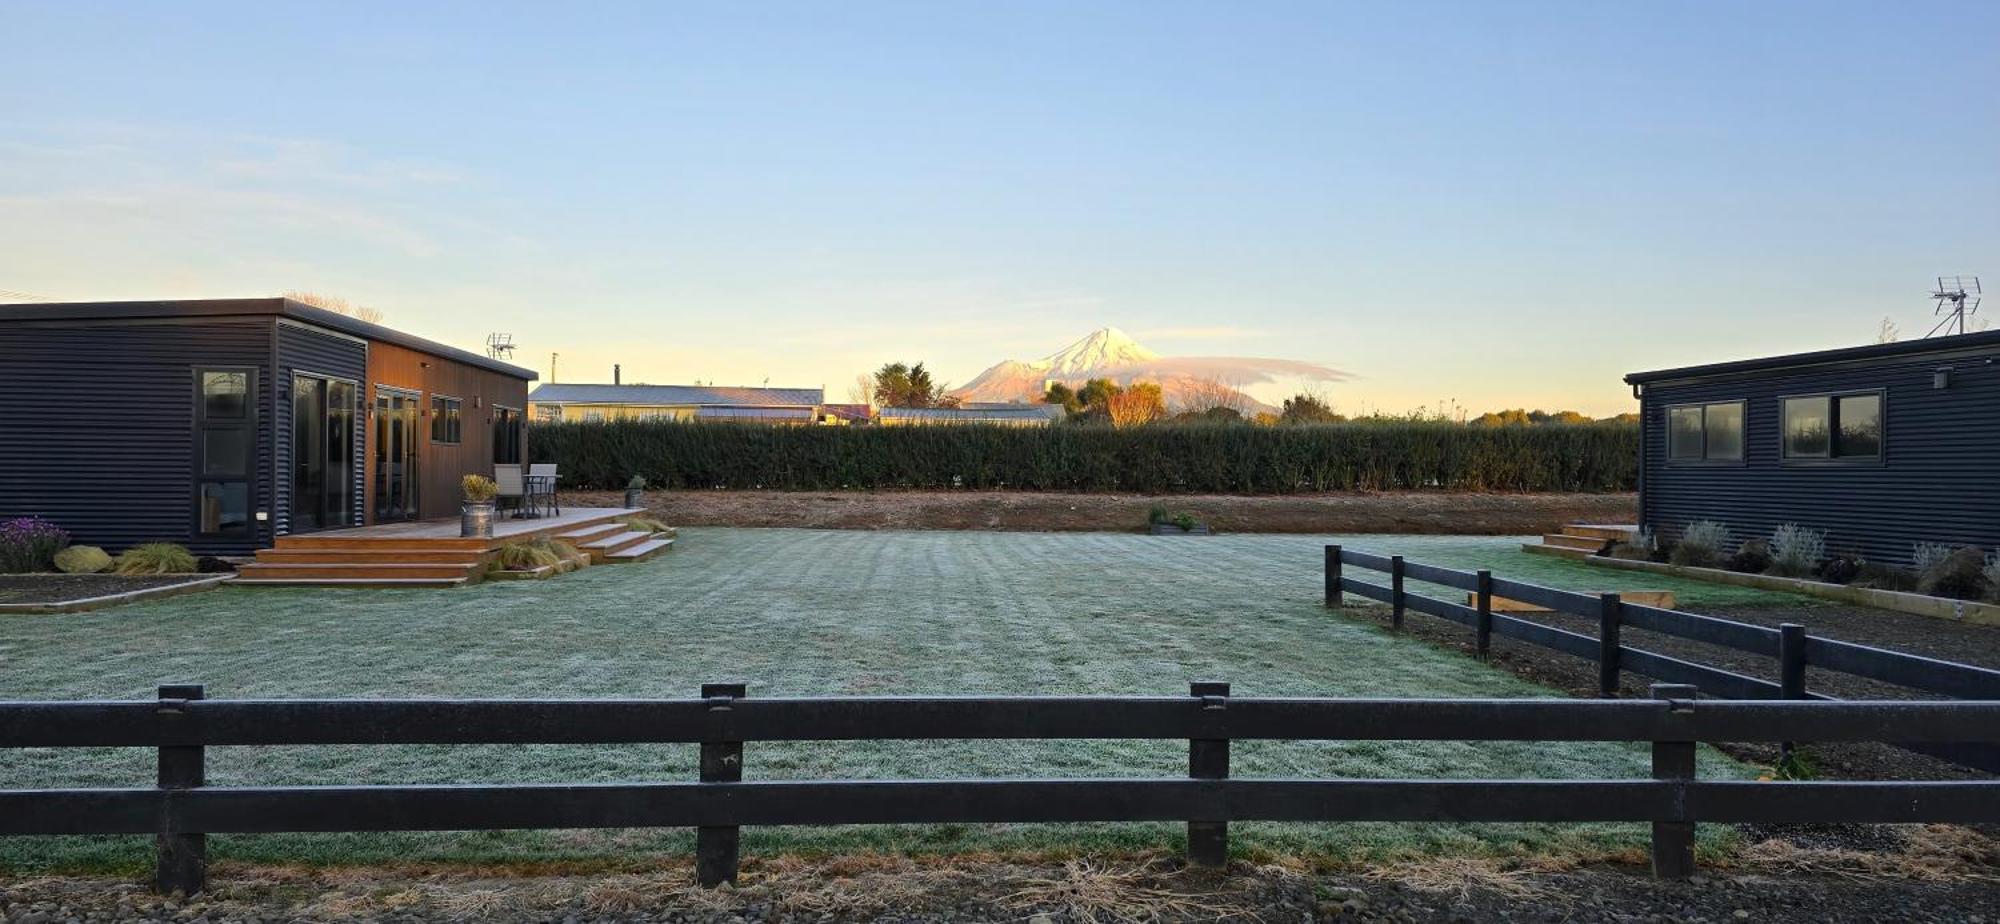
395, 454
323, 412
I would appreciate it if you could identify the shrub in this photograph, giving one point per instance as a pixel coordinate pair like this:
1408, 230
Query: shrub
82, 559
1927, 555
638, 483
1753, 557
478, 488
524, 556
1992, 574
645, 525
156, 558
1157, 515
29, 544
1884, 577
1701, 544
1840, 569
1163, 458
1962, 575
1796, 550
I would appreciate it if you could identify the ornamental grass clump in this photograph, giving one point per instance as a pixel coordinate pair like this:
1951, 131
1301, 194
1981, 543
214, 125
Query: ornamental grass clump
156, 558
1992, 575
1701, 544
478, 488
1927, 555
1960, 575
1796, 551
30, 544
525, 556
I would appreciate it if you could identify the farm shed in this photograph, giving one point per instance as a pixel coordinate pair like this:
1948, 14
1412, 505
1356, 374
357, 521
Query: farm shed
1882, 446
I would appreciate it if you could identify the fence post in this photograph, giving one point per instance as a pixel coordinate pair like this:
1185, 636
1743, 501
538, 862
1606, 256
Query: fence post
1333, 576
1791, 673
181, 858
1483, 597
1673, 761
1396, 591
1208, 759
1609, 607
716, 847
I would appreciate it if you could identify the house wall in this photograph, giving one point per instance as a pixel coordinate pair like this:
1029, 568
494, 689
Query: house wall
1938, 479
576, 412
441, 465
310, 350
97, 426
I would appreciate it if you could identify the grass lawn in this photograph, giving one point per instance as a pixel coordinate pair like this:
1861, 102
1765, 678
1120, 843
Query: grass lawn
799, 612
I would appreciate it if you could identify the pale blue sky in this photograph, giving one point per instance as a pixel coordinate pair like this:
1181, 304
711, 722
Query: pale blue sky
1502, 203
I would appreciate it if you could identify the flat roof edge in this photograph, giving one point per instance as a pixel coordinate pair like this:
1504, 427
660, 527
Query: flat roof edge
1956, 343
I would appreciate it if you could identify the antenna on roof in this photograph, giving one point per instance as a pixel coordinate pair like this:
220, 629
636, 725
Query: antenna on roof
499, 346
1957, 299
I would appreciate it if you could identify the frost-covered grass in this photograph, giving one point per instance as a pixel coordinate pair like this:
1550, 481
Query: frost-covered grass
796, 612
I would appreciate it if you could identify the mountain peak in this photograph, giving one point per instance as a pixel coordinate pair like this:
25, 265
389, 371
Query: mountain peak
1101, 348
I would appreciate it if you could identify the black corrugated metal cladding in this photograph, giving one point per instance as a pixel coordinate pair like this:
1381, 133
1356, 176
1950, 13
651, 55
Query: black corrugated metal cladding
97, 426
1936, 481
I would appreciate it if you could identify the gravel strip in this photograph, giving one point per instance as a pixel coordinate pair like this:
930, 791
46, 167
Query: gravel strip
882, 889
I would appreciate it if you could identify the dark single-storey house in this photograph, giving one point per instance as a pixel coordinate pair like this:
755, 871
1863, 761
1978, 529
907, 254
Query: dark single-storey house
222, 424
1882, 446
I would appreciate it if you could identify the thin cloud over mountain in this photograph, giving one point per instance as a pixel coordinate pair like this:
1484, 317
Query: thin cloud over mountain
1108, 353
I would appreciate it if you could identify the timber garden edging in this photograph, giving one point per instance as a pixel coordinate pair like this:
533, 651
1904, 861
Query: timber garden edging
1972, 611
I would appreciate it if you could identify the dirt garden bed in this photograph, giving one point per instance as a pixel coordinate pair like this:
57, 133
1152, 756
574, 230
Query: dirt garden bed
33, 593
1406, 512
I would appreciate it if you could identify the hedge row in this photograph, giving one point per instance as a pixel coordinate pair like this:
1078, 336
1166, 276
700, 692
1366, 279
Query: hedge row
1361, 455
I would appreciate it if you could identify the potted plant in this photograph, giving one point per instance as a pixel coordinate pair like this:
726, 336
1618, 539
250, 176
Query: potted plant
635, 492
475, 514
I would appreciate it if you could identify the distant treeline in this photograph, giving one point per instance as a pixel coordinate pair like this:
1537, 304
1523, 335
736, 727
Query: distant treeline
1159, 458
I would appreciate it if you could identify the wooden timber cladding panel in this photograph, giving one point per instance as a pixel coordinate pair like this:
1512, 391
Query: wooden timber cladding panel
441, 465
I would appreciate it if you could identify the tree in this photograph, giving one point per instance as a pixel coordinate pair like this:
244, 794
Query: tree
1304, 408
1887, 333
900, 385
1095, 395
336, 305
1064, 395
1197, 397
1138, 403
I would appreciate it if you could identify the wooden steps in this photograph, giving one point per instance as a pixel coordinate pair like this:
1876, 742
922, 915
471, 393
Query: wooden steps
431, 554
643, 551
1581, 540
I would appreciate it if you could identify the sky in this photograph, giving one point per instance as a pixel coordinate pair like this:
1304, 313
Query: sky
1486, 204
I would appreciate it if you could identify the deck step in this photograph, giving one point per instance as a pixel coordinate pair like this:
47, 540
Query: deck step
600, 549
403, 556
594, 531
1554, 550
348, 582
641, 552
1567, 541
361, 571
1613, 532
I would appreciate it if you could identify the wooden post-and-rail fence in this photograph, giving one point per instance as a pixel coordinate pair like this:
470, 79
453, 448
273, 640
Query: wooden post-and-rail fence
1792, 648
182, 809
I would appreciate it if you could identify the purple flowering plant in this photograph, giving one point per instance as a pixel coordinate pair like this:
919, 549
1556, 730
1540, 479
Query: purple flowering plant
30, 544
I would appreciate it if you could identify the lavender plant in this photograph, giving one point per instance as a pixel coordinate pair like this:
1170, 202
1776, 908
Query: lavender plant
30, 544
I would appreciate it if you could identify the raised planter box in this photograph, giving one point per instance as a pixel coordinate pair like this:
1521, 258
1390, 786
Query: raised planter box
1985, 614
502, 574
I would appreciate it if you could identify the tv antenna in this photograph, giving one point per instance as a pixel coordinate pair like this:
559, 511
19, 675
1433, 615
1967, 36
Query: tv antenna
499, 346
1957, 299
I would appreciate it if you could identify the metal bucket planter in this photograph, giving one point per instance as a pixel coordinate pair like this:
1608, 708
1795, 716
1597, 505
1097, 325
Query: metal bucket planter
475, 520
635, 498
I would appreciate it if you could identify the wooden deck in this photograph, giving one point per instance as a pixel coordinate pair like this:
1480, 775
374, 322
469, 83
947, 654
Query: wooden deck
430, 553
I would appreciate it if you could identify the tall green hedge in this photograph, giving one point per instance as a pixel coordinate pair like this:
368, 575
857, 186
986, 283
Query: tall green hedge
1193, 458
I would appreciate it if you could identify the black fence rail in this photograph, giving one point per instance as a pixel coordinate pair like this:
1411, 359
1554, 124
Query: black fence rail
1792, 649
181, 810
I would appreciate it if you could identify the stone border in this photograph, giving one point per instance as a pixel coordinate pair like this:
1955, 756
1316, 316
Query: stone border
1984, 614
86, 604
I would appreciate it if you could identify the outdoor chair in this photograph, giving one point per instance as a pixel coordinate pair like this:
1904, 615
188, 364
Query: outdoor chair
512, 490
542, 486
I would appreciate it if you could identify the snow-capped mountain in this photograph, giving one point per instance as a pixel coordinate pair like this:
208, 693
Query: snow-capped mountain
1108, 353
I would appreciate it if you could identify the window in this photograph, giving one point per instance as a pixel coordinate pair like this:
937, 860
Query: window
225, 424
1711, 432
1834, 426
506, 435
446, 421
